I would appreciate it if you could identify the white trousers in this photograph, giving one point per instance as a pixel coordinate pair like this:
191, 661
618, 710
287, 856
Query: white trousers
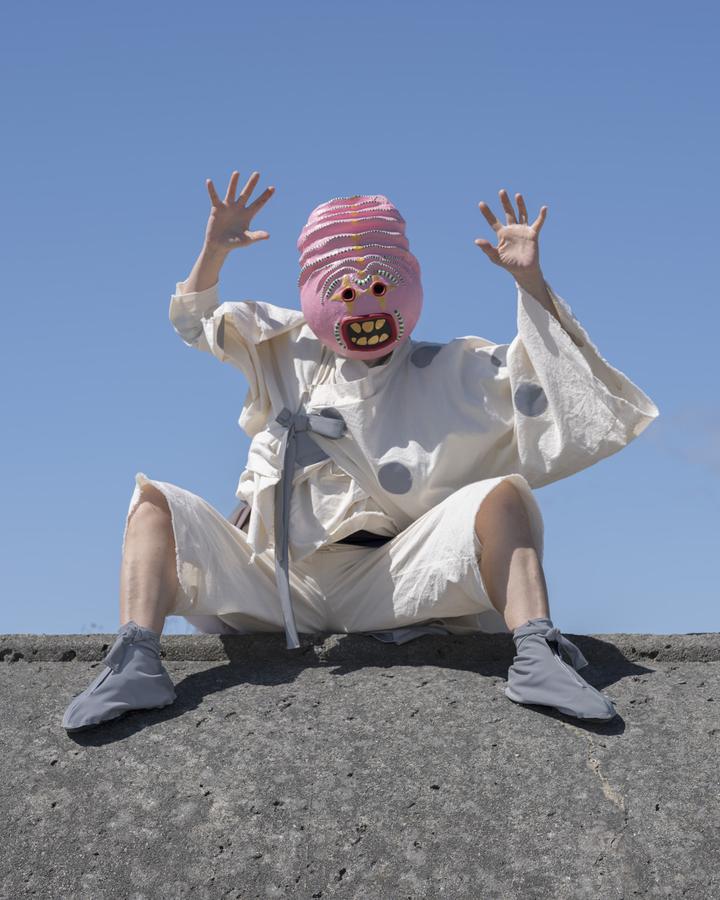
427, 574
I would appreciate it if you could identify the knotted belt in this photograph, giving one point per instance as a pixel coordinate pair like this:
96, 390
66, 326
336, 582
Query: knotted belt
295, 423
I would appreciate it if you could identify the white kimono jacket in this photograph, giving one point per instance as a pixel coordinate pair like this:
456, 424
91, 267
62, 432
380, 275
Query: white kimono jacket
426, 422
423, 424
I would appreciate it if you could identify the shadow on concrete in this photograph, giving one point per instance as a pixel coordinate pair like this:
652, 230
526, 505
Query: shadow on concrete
263, 660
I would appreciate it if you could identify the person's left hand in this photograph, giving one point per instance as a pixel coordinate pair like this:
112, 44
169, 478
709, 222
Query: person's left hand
517, 250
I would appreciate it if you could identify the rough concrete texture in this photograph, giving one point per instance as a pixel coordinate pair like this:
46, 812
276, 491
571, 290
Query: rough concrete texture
353, 769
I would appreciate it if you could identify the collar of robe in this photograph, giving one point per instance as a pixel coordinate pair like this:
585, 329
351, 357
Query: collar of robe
354, 380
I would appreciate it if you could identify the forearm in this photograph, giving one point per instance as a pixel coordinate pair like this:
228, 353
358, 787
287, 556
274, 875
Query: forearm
534, 284
206, 271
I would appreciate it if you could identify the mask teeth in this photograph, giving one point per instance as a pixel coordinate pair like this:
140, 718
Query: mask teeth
400, 331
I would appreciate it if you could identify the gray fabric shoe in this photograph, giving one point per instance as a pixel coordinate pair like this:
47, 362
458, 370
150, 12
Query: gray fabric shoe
539, 675
133, 678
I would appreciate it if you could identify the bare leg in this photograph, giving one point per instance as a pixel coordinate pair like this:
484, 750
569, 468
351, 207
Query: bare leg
148, 576
509, 563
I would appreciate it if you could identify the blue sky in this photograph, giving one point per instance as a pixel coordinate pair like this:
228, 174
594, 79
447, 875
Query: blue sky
116, 114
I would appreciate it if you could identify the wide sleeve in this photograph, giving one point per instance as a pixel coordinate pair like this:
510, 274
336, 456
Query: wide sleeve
557, 404
235, 332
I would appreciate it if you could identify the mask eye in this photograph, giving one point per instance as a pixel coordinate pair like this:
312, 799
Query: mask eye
348, 294
379, 288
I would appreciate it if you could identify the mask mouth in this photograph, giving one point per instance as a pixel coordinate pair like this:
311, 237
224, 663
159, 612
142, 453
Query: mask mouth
369, 332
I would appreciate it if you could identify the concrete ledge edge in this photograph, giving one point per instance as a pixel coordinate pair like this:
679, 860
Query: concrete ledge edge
330, 648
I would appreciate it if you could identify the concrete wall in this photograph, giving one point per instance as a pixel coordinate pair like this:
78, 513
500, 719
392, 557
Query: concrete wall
350, 768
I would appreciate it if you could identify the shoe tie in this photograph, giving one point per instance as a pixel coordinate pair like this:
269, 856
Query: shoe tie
573, 651
552, 633
128, 634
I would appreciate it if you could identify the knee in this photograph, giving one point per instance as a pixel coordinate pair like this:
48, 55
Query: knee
152, 510
504, 505
505, 497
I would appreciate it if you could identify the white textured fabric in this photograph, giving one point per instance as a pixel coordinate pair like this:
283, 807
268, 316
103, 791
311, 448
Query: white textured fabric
431, 419
425, 580
430, 432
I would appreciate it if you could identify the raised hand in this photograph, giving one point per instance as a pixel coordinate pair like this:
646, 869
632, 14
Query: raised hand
517, 249
230, 219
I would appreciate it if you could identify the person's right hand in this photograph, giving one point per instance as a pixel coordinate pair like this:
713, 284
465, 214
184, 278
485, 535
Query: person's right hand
229, 220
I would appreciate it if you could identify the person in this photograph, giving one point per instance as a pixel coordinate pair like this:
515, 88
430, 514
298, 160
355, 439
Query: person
389, 484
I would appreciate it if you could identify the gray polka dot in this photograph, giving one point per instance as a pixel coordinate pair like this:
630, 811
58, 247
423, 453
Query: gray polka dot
395, 478
499, 357
530, 399
424, 355
331, 413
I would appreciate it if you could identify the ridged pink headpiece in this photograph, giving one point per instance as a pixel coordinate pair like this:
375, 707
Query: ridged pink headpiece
360, 287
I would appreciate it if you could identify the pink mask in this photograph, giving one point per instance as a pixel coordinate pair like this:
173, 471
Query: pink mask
359, 304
